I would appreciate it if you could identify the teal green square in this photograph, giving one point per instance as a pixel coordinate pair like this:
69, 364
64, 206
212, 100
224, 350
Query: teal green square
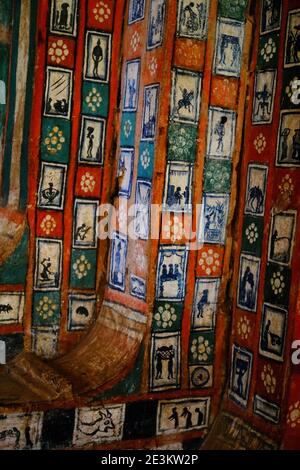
55, 144
146, 160
46, 308
201, 347
83, 268
234, 9
128, 124
167, 316
267, 56
252, 237
14, 269
95, 99
217, 176
182, 142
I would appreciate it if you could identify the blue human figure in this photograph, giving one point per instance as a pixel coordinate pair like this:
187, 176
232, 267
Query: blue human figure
117, 267
240, 370
263, 102
220, 132
202, 302
132, 91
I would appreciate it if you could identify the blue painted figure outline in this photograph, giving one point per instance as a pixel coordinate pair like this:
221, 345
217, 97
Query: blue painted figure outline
228, 51
156, 23
136, 11
248, 282
240, 375
118, 261
192, 18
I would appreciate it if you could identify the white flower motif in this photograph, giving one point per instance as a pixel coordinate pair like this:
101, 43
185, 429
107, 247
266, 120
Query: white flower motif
81, 267
277, 283
260, 143
268, 50
46, 308
93, 99
293, 417
58, 51
145, 158
152, 66
101, 11
267, 376
127, 128
200, 348
87, 182
209, 261
243, 327
48, 224
174, 229
165, 316
135, 41
54, 140
286, 185
252, 233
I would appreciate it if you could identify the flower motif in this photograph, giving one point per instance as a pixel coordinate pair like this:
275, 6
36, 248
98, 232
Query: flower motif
46, 308
209, 261
200, 348
48, 224
293, 417
268, 50
135, 41
54, 140
217, 175
58, 51
93, 99
81, 267
127, 128
243, 327
277, 283
267, 376
251, 233
260, 143
145, 158
101, 11
286, 185
165, 316
293, 91
174, 229
152, 66
180, 142
87, 182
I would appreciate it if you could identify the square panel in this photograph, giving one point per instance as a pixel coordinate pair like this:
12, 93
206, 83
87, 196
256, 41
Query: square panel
210, 261
290, 95
205, 303
229, 47
165, 361
221, 133
132, 83
281, 237
55, 142
248, 282
92, 140
49, 224
125, 171
185, 96
97, 56
288, 140
292, 51
192, 19
138, 287
95, 99
81, 311
150, 107
171, 272
217, 176
277, 285
48, 264
178, 187
272, 332
127, 131
88, 181
263, 97
214, 215
167, 316
256, 189
252, 236
60, 51
118, 257
85, 223
232, 9
58, 92
156, 23
52, 184
182, 142
100, 14
146, 160
46, 308
270, 16
240, 375
136, 11
11, 307
268, 49
64, 17
83, 268
201, 347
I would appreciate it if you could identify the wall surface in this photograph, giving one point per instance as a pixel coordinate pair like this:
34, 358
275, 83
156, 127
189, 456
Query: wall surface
165, 337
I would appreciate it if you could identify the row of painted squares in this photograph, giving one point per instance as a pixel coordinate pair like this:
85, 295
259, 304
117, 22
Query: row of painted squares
55, 153
282, 229
82, 427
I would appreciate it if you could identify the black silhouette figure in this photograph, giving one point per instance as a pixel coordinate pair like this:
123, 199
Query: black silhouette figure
158, 358
46, 271
256, 199
284, 143
263, 103
174, 417
81, 232
90, 136
202, 302
97, 57
265, 336
49, 105
186, 100
29, 443
64, 16
50, 193
188, 415
296, 145
241, 368
274, 239
200, 416
220, 132
170, 363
